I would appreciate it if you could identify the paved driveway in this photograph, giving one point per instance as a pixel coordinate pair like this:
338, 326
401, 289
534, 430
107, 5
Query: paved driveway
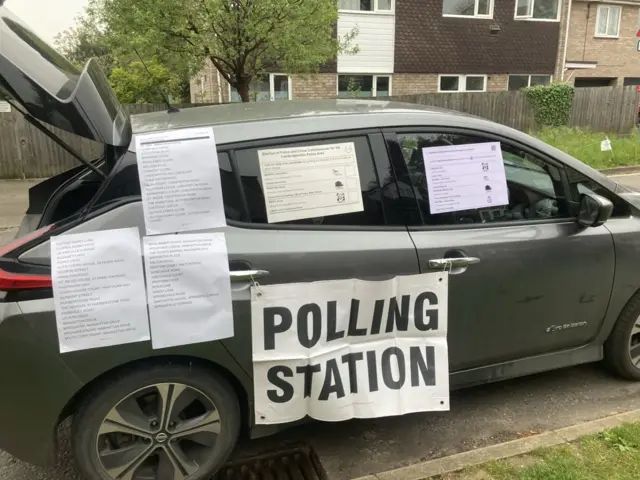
13, 204
479, 416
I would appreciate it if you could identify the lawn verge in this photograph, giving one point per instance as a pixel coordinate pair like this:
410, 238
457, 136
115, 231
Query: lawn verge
585, 146
471, 462
613, 453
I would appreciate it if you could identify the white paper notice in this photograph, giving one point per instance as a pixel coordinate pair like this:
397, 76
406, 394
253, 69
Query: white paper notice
5, 107
98, 289
180, 180
463, 177
309, 182
188, 288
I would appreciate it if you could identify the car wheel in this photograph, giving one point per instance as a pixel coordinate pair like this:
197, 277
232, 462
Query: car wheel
622, 348
163, 422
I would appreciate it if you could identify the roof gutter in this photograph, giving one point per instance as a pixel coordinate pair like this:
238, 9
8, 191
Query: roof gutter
566, 43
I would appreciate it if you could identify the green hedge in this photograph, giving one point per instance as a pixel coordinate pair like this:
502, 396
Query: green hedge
551, 104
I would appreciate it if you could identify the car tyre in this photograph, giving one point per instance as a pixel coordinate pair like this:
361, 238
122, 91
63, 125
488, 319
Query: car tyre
142, 423
622, 348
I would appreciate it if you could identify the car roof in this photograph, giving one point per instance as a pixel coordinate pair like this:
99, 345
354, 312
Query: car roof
243, 122
298, 117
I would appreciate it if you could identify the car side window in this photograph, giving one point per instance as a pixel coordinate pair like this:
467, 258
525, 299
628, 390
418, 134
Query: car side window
535, 190
248, 167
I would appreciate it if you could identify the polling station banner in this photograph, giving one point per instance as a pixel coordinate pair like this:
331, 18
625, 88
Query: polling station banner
341, 349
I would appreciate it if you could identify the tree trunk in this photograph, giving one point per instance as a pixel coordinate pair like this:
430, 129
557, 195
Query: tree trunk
243, 91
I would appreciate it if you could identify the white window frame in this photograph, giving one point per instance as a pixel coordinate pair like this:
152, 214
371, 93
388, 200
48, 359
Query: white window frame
374, 83
375, 10
272, 94
475, 11
462, 83
529, 75
529, 17
599, 12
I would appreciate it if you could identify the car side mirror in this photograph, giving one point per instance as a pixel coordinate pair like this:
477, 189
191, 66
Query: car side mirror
594, 210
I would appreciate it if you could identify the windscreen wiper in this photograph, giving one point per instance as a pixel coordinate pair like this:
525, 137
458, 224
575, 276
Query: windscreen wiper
33, 121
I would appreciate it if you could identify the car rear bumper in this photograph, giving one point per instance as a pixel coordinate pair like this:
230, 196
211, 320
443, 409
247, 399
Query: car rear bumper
35, 386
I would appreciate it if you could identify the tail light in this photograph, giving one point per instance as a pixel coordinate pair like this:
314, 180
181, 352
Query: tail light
23, 281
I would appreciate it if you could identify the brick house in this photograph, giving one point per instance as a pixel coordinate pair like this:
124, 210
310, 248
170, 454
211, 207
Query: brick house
603, 46
418, 46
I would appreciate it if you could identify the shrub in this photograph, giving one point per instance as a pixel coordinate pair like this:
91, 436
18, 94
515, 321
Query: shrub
551, 103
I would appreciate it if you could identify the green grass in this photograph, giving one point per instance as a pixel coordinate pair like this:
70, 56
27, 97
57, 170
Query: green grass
585, 146
611, 455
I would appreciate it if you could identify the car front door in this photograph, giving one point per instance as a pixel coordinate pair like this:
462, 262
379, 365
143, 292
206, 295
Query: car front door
535, 281
372, 244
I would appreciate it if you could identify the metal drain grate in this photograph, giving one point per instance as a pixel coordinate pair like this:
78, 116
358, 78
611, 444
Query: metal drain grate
300, 463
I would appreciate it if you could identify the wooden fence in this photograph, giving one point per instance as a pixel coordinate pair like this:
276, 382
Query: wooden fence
27, 153
601, 109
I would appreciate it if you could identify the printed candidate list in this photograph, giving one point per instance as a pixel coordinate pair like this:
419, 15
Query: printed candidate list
98, 289
464, 177
180, 180
312, 181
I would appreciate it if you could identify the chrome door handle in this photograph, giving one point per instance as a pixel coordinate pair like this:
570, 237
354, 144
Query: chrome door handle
247, 275
453, 262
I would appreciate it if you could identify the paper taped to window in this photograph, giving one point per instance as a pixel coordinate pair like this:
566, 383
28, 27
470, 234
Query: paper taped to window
312, 181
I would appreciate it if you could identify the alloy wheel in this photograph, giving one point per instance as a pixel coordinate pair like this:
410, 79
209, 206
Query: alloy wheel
634, 343
165, 431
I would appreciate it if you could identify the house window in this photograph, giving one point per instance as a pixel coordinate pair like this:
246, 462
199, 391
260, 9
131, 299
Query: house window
516, 82
608, 21
467, 8
350, 86
268, 87
538, 10
365, 5
462, 83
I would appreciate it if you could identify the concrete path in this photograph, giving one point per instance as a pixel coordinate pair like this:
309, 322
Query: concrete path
479, 416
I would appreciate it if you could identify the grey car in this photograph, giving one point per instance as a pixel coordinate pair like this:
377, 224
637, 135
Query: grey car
548, 281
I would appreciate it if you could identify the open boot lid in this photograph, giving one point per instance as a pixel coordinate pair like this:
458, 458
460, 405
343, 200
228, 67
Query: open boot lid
50, 88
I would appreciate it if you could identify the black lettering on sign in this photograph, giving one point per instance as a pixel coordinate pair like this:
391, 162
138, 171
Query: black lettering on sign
351, 359
303, 325
274, 376
332, 322
432, 313
387, 373
397, 318
372, 370
332, 381
376, 324
391, 362
271, 328
354, 331
308, 371
425, 367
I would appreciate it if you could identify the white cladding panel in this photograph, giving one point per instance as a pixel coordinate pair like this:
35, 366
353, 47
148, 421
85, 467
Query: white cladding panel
376, 40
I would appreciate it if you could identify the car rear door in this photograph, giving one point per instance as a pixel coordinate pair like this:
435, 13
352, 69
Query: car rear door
372, 244
535, 281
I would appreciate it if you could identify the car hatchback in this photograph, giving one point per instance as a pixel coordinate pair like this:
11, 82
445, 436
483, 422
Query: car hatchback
548, 281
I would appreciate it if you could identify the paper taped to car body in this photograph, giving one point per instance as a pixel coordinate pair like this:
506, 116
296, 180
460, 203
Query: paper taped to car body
188, 288
98, 289
308, 182
341, 349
